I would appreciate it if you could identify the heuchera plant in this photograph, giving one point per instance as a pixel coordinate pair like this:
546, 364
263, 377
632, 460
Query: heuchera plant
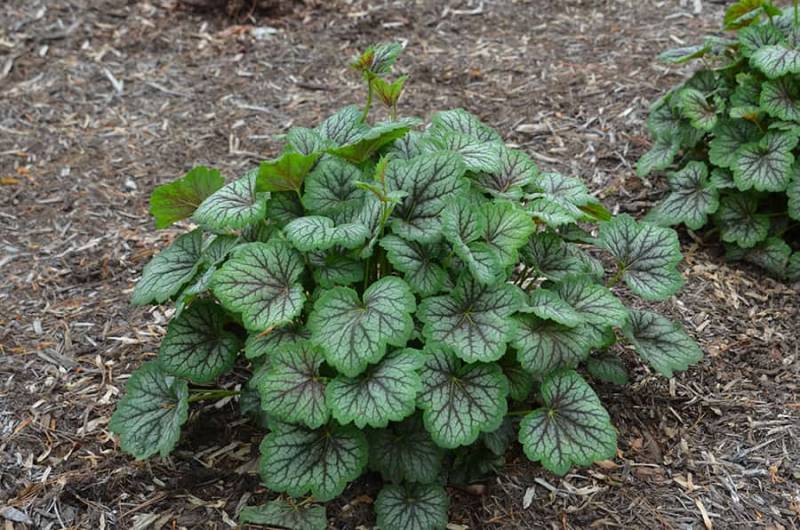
407, 301
731, 134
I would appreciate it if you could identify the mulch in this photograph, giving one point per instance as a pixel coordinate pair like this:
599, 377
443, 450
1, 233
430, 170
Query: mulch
101, 100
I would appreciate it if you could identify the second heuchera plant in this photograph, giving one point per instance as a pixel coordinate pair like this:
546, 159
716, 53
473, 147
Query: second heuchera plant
405, 300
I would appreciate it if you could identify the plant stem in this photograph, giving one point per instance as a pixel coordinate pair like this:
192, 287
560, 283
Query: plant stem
795, 13
369, 102
200, 394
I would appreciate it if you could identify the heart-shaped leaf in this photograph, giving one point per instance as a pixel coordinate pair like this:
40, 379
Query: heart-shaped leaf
462, 225
660, 156
572, 428
607, 367
549, 305
549, 256
781, 99
739, 221
285, 173
297, 460
592, 302
283, 514
282, 208
729, 137
378, 59
197, 346
235, 206
170, 269
330, 188
354, 333
418, 263
460, 400
646, 255
315, 232
766, 165
407, 147
508, 228
179, 199
702, 113
385, 392
412, 507
478, 155
370, 140
662, 344
545, 345
516, 170
404, 452
461, 121
772, 254
306, 141
776, 60
692, 198
148, 418
260, 281
343, 127
275, 341
331, 268
753, 38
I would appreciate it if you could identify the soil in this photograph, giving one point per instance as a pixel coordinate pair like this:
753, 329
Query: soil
101, 100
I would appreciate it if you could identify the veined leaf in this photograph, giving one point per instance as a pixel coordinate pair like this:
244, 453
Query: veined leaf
664, 121
385, 392
460, 400
549, 255
516, 170
378, 59
746, 97
472, 319
746, 12
508, 228
389, 93
412, 507
272, 343
594, 303
478, 155
766, 165
462, 225
260, 281
196, 345
283, 207
315, 232
683, 55
571, 195
520, 382
695, 106
407, 147
179, 199
297, 460
404, 452
793, 267
148, 418
661, 343
660, 156
285, 173
292, 390
548, 305
234, 206
647, 256
332, 268
572, 428
780, 99
306, 141
330, 188
729, 136
198, 286
544, 345
776, 60
722, 179
343, 127
353, 333
278, 513
692, 198
772, 254
793, 193
739, 221
370, 140
418, 263
429, 180
608, 368
461, 121
217, 247
170, 269
500, 439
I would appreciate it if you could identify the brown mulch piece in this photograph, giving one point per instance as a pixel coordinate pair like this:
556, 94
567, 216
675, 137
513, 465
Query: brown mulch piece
100, 100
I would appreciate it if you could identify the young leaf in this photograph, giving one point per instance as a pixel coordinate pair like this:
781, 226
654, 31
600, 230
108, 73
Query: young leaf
592, 302
462, 225
647, 256
291, 389
385, 392
753, 38
572, 428
660, 155
515, 171
378, 59
776, 60
353, 333
404, 452
766, 165
691, 200
695, 106
478, 155
170, 270
739, 221
148, 418
461, 121
343, 127
430, 181
544, 345
412, 507
608, 368
683, 55
571, 195
548, 305
661, 343
282, 514
389, 93
781, 99
330, 188
285, 173
196, 346
549, 255
745, 12
472, 319
315, 232
418, 263
260, 281
370, 140
179, 199
297, 460
234, 206
272, 343
729, 136
460, 400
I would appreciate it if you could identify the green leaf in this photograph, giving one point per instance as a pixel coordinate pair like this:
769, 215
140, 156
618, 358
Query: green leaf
508, 228
234, 206
148, 418
478, 155
571, 196
315, 232
516, 170
272, 343
776, 60
412, 507
404, 452
793, 267
170, 270
662, 344
282, 207
739, 221
594, 303
292, 389
430, 181
217, 247
306, 141
544, 345
179, 199
548, 305
407, 147
746, 12
461, 121
343, 127
353, 333
389, 93
766, 165
200, 285
297, 460
377, 59
572, 428
695, 106
780, 99
520, 382
283, 514
692, 198
772, 255
729, 136
462, 225
608, 368
683, 55
460, 400
370, 140
647, 256
197, 346
330, 187
793, 194
332, 268
745, 99
385, 392
260, 281
660, 156
722, 179
472, 319
419, 263
285, 173
550, 256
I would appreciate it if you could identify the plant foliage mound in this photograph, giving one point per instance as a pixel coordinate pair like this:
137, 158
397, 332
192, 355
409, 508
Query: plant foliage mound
405, 300
730, 136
